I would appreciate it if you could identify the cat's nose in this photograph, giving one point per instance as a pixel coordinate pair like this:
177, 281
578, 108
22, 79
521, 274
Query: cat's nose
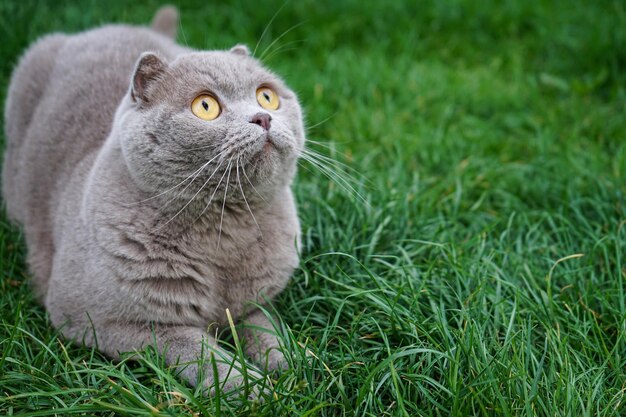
262, 119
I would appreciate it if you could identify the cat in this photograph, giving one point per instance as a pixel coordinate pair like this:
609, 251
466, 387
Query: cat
152, 182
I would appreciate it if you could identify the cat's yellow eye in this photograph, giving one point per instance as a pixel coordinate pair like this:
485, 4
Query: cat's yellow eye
267, 98
205, 107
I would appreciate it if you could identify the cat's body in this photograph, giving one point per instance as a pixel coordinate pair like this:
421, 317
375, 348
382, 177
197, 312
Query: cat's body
117, 238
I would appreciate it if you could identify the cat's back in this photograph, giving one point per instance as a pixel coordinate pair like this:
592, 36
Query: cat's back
59, 110
60, 106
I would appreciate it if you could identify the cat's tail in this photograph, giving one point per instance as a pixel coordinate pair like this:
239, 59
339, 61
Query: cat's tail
165, 21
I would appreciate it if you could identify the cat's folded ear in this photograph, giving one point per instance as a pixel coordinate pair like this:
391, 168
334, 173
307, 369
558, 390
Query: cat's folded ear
148, 69
240, 49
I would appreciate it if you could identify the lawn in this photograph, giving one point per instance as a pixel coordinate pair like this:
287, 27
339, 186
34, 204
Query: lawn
471, 262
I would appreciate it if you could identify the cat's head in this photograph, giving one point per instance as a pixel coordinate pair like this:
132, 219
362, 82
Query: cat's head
207, 121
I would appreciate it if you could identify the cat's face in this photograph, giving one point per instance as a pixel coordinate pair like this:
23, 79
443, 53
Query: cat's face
208, 121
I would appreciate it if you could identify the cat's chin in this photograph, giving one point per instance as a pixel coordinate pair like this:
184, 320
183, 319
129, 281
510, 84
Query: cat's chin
266, 161
268, 146
267, 166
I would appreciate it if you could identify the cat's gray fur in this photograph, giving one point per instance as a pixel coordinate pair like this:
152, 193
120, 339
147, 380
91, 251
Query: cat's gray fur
99, 134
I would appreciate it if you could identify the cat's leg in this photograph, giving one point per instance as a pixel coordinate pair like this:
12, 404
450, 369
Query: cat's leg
261, 341
183, 346
40, 255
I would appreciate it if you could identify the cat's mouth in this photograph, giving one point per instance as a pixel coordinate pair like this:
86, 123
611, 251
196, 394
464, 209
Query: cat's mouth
265, 144
268, 145
266, 150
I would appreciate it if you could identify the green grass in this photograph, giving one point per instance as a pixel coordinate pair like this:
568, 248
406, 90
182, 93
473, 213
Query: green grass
486, 273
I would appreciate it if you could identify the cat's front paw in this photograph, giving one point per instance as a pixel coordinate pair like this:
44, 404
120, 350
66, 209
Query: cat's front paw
270, 358
252, 386
276, 360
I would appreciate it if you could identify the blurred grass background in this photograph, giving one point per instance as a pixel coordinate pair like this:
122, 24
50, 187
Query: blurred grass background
485, 276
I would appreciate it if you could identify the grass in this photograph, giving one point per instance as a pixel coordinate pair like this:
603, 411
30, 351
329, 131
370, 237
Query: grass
486, 273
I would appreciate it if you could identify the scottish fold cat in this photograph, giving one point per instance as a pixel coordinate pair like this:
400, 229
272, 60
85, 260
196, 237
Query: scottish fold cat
152, 182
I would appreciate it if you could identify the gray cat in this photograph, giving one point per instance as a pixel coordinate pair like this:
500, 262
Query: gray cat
153, 185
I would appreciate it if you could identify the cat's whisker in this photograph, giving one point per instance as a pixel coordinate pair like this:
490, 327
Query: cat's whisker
309, 128
284, 48
197, 171
182, 32
331, 147
345, 171
191, 182
219, 235
213, 195
297, 25
246, 200
243, 169
269, 24
193, 174
335, 177
345, 177
238, 147
191, 199
341, 182
338, 168
200, 147
327, 145
333, 161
